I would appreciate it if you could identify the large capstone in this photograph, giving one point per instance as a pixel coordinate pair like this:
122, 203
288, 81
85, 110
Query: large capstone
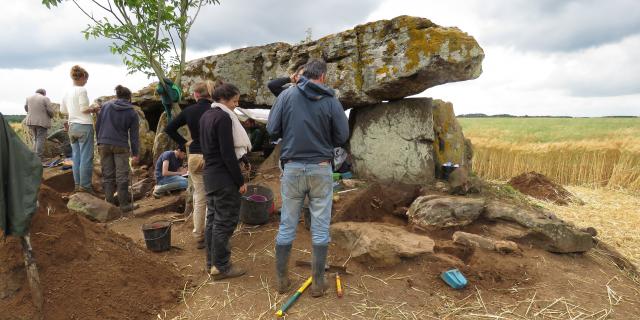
374, 62
392, 142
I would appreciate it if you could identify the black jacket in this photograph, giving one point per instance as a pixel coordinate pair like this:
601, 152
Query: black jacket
276, 86
221, 167
191, 117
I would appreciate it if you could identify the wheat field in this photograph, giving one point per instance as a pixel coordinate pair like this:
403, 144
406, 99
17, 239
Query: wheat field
595, 152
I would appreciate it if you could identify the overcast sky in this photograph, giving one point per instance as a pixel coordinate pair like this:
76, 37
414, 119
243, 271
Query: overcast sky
543, 57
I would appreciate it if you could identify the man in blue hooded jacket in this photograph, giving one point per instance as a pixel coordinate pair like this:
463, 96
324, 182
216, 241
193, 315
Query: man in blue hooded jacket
118, 124
311, 122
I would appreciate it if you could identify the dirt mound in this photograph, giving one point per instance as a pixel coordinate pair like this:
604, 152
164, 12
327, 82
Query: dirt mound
540, 187
86, 270
376, 203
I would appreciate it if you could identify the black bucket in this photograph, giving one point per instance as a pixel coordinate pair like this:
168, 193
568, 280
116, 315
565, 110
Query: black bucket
157, 235
256, 205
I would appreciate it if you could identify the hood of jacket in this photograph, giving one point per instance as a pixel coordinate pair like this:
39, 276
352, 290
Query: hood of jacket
314, 91
121, 105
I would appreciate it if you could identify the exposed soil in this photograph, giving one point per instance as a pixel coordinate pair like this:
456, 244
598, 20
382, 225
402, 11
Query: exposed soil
90, 272
87, 271
540, 187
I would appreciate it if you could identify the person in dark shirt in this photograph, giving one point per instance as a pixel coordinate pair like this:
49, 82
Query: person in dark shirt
169, 172
190, 117
276, 86
117, 124
223, 181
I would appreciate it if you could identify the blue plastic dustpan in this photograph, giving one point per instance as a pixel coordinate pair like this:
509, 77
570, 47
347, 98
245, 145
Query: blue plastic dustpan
454, 278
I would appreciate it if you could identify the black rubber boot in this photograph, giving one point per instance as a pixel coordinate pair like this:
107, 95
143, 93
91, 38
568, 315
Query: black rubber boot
109, 190
282, 268
124, 198
318, 261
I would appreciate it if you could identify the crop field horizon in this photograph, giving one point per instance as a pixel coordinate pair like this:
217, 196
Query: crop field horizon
596, 152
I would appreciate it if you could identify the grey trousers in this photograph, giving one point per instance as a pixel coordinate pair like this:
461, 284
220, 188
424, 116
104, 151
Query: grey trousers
39, 136
115, 173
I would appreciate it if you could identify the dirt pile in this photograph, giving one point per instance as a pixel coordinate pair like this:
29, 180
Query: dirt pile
86, 270
540, 187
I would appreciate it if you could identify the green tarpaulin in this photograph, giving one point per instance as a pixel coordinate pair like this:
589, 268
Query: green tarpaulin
20, 176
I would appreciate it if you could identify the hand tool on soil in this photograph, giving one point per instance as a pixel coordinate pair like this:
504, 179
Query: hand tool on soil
32, 274
338, 285
329, 267
293, 298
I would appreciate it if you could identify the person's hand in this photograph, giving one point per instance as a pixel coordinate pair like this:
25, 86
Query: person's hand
182, 170
65, 126
243, 189
135, 160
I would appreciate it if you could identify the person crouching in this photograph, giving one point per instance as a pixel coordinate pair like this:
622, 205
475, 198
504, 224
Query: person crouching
169, 172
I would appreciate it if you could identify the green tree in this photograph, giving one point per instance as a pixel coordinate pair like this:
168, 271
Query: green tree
150, 35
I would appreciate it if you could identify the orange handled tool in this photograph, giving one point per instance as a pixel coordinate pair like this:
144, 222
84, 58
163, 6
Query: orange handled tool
338, 285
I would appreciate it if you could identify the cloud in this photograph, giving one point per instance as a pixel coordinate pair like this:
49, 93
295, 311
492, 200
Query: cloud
240, 23
17, 84
608, 70
541, 25
36, 37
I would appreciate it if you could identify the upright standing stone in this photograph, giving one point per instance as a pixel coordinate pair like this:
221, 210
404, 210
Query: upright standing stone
392, 142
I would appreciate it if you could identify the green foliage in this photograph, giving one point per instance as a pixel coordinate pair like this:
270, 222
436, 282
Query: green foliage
150, 35
14, 118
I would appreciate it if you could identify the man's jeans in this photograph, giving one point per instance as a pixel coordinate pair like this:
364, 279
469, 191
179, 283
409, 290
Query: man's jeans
196, 163
39, 136
300, 180
81, 137
170, 183
223, 213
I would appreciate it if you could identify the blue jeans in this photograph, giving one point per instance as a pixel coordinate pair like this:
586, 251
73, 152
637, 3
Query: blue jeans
177, 182
300, 180
81, 137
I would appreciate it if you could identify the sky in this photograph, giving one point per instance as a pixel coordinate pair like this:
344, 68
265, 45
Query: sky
542, 57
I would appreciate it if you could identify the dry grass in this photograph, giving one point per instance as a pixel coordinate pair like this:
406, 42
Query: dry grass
611, 164
615, 214
601, 152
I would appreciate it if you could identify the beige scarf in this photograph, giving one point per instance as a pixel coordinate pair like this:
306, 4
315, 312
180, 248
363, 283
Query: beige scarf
241, 142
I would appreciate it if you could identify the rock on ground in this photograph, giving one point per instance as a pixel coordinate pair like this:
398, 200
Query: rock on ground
371, 63
475, 240
379, 244
444, 211
555, 235
392, 142
93, 208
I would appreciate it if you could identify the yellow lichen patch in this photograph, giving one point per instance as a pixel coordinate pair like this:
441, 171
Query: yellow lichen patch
436, 41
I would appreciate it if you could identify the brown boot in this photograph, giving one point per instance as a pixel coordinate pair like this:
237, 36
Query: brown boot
233, 272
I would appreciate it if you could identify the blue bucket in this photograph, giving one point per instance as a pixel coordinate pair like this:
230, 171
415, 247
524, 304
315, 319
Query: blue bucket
454, 278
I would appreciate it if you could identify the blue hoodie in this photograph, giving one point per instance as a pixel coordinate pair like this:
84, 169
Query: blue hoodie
311, 122
117, 123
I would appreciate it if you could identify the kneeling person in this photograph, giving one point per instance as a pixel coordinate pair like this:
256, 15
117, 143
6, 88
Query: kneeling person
169, 172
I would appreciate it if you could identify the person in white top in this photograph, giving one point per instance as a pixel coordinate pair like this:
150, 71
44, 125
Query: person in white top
80, 126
